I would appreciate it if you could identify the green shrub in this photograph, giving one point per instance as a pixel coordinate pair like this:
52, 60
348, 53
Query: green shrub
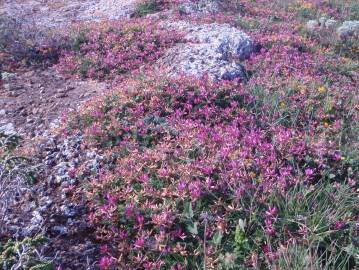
24, 255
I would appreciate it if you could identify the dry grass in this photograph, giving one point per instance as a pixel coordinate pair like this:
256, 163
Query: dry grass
16, 172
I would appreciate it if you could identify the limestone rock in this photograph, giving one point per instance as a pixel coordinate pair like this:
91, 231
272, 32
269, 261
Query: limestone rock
51, 14
8, 129
331, 24
312, 25
348, 29
212, 49
199, 6
321, 24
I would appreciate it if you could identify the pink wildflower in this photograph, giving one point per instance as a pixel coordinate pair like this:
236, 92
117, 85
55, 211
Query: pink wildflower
106, 263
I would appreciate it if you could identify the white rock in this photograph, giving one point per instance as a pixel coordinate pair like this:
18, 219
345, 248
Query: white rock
330, 24
312, 25
212, 49
200, 6
8, 129
36, 219
7, 76
60, 230
322, 21
67, 12
348, 29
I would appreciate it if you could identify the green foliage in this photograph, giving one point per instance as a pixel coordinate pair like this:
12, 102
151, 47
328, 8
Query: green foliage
324, 243
26, 44
240, 239
79, 39
147, 7
24, 255
188, 211
191, 225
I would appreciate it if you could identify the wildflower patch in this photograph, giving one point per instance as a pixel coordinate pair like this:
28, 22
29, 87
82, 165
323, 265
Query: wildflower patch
108, 50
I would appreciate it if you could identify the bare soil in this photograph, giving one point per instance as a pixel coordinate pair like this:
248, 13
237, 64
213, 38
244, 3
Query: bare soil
33, 99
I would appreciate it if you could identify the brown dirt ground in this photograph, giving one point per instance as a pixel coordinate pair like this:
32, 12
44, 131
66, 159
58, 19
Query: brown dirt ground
33, 99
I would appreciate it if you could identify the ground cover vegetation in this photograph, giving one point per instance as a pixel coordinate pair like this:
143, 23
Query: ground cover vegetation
109, 50
254, 174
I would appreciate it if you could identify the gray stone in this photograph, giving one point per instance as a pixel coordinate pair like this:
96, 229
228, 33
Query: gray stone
348, 29
321, 24
37, 218
8, 129
312, 25
330, 24
212, 49
322, 21
6, 76
62, 230
69, 210
69, 11
199, 6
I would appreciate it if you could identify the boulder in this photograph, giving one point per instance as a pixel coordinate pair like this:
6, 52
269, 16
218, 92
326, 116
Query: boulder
321, 24
330, 24
212, 49
199, 6
348, 29
312, 25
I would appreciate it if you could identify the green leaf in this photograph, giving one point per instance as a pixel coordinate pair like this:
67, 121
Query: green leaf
43, 266
241, 224
217, 238
188, 211
192, 227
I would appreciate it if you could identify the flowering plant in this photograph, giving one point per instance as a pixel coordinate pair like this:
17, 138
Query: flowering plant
107, 50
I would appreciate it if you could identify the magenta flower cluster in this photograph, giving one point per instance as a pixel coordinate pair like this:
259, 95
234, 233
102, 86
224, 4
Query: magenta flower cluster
110, 49
184, 155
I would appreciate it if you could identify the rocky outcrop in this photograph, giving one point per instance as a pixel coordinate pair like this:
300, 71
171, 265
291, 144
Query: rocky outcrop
212, 49
348, 29
201, 6
60, 13
321, 24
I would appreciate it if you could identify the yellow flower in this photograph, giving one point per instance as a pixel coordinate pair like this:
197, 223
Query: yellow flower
282, 104
322, 89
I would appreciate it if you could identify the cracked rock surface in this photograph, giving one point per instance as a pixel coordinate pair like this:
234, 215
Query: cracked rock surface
212, 49
57, 13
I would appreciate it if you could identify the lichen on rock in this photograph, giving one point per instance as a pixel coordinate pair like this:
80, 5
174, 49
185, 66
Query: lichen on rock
212, 49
